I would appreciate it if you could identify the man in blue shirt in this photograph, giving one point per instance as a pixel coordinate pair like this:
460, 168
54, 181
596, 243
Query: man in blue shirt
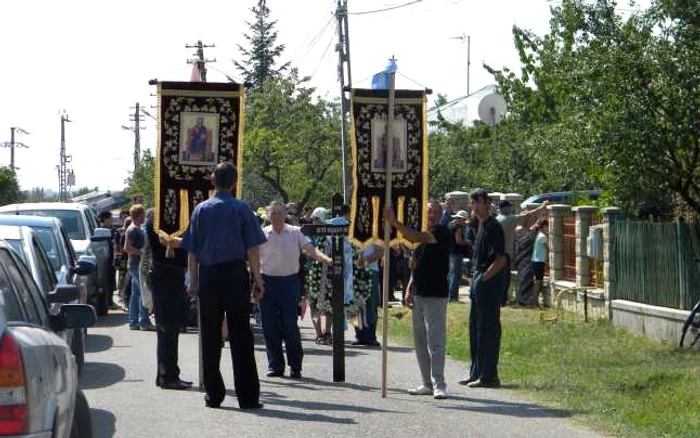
224, 233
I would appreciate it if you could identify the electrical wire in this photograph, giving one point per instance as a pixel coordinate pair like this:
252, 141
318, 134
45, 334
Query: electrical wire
315, 38
315, 41
390, 8
325, 52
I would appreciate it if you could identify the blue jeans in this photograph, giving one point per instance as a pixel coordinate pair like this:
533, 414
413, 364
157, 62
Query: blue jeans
455, 275
368, 334
279, 309
138, 315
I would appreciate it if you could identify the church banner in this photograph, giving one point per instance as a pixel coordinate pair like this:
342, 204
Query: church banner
199, 125
408, 150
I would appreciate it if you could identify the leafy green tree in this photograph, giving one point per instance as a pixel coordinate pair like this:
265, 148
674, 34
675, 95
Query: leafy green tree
292, 144
611, 101
84, 190
141, 181
261, 57
9, 186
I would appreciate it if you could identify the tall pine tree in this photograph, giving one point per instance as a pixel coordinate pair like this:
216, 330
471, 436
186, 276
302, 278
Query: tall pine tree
259, 59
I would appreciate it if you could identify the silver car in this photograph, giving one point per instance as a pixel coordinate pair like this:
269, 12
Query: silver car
38, 372
27, 244
80, 224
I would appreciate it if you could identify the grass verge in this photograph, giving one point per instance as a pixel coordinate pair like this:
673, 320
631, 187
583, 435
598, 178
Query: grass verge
612, 381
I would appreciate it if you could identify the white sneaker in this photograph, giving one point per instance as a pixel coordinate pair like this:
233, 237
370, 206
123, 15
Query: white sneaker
421, 390
440, 394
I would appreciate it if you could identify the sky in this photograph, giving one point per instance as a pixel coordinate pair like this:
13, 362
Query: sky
93, 59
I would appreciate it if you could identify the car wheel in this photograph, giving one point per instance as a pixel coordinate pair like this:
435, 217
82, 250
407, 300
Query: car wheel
78, 347
82, 423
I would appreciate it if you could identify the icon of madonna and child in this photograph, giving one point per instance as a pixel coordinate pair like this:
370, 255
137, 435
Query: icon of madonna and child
199, 138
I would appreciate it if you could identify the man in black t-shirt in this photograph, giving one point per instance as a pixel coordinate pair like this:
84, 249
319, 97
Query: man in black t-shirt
426, 294
490, 261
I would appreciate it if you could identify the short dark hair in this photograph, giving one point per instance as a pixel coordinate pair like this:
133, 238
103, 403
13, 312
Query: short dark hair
224, 175
104, 215
478, 194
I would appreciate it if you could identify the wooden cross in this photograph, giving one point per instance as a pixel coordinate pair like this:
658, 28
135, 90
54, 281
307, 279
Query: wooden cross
337, 232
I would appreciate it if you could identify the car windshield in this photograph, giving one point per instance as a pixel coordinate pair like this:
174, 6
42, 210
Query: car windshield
17, 246
70, 219
48, 241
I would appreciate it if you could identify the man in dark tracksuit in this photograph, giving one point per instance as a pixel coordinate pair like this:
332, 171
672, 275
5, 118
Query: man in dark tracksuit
490, 262
224, 233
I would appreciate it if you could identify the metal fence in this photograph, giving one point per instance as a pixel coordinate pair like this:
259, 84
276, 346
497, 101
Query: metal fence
654, 263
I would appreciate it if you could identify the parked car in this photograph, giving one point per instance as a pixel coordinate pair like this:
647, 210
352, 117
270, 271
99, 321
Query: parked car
26, 243
560, 197
38, 372
60, 251
80, 224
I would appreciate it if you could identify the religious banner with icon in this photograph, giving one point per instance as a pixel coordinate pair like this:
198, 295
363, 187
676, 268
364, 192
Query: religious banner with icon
408, 152
199, 125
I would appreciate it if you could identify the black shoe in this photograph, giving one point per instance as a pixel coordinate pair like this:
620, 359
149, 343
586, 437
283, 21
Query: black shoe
358, 343
482, 383
186, 382
212, 405
467, 380
273, 373
253, 406
178, 385
295, 375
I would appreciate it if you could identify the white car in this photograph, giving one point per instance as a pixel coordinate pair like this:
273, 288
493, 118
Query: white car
39, 396
80, 224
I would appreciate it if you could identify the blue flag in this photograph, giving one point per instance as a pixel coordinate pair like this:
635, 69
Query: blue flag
381, 81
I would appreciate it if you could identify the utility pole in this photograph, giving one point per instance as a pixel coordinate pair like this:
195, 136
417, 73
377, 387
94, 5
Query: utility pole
63, 173
12, 144
468, 39
199, 58
344, 71
136, 128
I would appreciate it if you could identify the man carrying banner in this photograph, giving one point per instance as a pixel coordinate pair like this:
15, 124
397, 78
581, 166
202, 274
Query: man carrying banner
427, 295
224, 233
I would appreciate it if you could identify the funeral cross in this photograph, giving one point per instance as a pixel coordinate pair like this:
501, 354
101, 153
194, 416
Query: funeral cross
337, 296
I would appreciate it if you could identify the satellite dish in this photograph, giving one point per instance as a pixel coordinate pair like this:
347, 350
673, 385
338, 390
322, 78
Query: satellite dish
492, 109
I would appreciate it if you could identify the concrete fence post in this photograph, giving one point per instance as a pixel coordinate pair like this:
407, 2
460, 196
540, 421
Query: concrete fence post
557, 213
610, 215
584, 214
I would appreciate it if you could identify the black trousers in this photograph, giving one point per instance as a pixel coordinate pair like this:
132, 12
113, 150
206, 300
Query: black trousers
225, 288
168, 294
485, 325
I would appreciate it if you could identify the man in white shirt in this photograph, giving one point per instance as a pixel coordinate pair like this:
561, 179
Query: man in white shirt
279, 265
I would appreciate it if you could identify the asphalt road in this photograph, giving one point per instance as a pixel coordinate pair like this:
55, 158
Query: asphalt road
119, 381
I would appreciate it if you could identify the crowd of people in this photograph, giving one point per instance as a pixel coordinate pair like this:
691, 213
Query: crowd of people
237, 262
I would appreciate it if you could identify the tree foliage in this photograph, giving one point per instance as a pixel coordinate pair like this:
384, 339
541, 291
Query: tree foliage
261, 56
9, 186
292, 144
141, 181
615, 100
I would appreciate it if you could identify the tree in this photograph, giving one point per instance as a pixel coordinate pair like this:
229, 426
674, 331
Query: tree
292, 144
261, 57
9, 186
614, 99
84, 191
39, 194
141, 181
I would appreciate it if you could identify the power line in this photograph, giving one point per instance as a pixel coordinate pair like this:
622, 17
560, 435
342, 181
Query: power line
315, 38
390, 8
323, 56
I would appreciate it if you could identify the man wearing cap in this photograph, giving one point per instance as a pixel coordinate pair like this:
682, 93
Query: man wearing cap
509, 221
460, 248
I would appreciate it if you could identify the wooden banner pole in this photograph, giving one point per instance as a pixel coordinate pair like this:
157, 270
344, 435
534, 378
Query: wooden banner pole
388, 161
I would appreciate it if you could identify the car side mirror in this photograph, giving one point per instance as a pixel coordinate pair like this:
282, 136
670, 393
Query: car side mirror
86, 265
64, 293
101, 235
73, 316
